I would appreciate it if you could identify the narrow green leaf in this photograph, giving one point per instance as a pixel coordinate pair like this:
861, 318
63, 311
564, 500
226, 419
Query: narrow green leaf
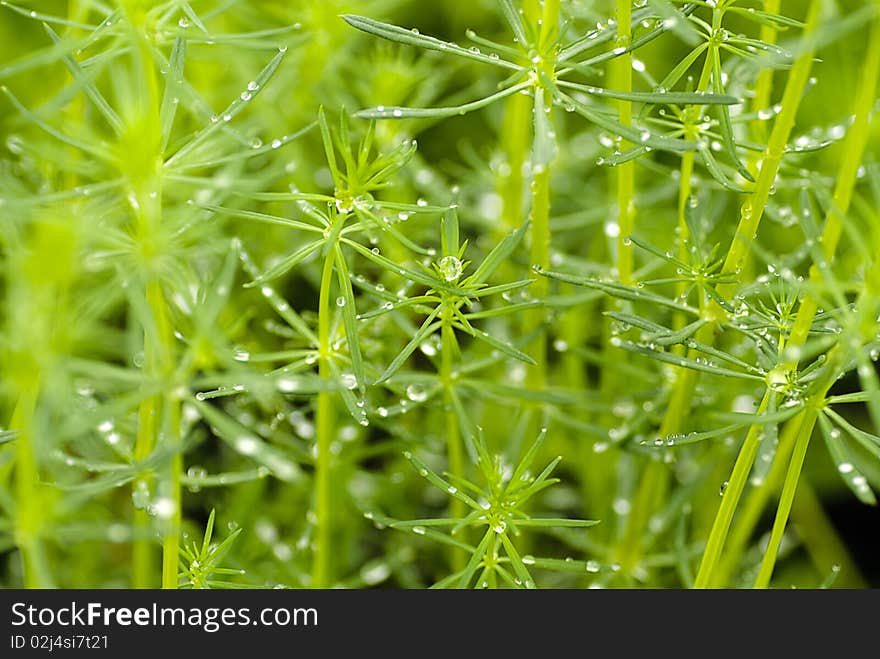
556, 522
287, 263
428, 327
171, 95
544, 149
680, 439
497, 256
703, 366
776, 21
514, 20
426, 472
243, 441
645, 138
413, 38
232, 110
349, 317
395, 112
656, 97
724, 118
853, 478
516, 561
498, 344
88, 86
475, 561
620, 291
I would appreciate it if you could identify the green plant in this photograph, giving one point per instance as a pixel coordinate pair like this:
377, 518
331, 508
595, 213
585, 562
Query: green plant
268, 267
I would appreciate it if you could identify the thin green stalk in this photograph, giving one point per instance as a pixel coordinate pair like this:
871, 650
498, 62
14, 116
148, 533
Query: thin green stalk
171, 541
730, 501
515, 141
806, 422
454, 449
752, 508
764, 82
690, 116
159, 416
626, 205
143, 560
539, 253
324, 422
29, 513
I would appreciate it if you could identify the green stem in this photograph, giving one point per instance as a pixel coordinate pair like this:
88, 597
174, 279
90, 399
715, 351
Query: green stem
515, 143
29, 512
752, 508
807, 421
626, 208
454, 449
764, 82
730, 501
539, 253
324, 421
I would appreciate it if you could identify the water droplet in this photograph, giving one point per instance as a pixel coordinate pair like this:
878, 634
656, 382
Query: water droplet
612, 229
450, 268
416, 393
723, 488
340, 301
163, 508
287, 385
593, 566
247, 445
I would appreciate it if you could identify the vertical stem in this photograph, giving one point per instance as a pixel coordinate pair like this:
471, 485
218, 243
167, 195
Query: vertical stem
626, 209
764, 83
321, 572
35, 568
454, 449
143, 559
730, 501
515, 142
752, 508
805, 430
159, 416
539, 255
540, 212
